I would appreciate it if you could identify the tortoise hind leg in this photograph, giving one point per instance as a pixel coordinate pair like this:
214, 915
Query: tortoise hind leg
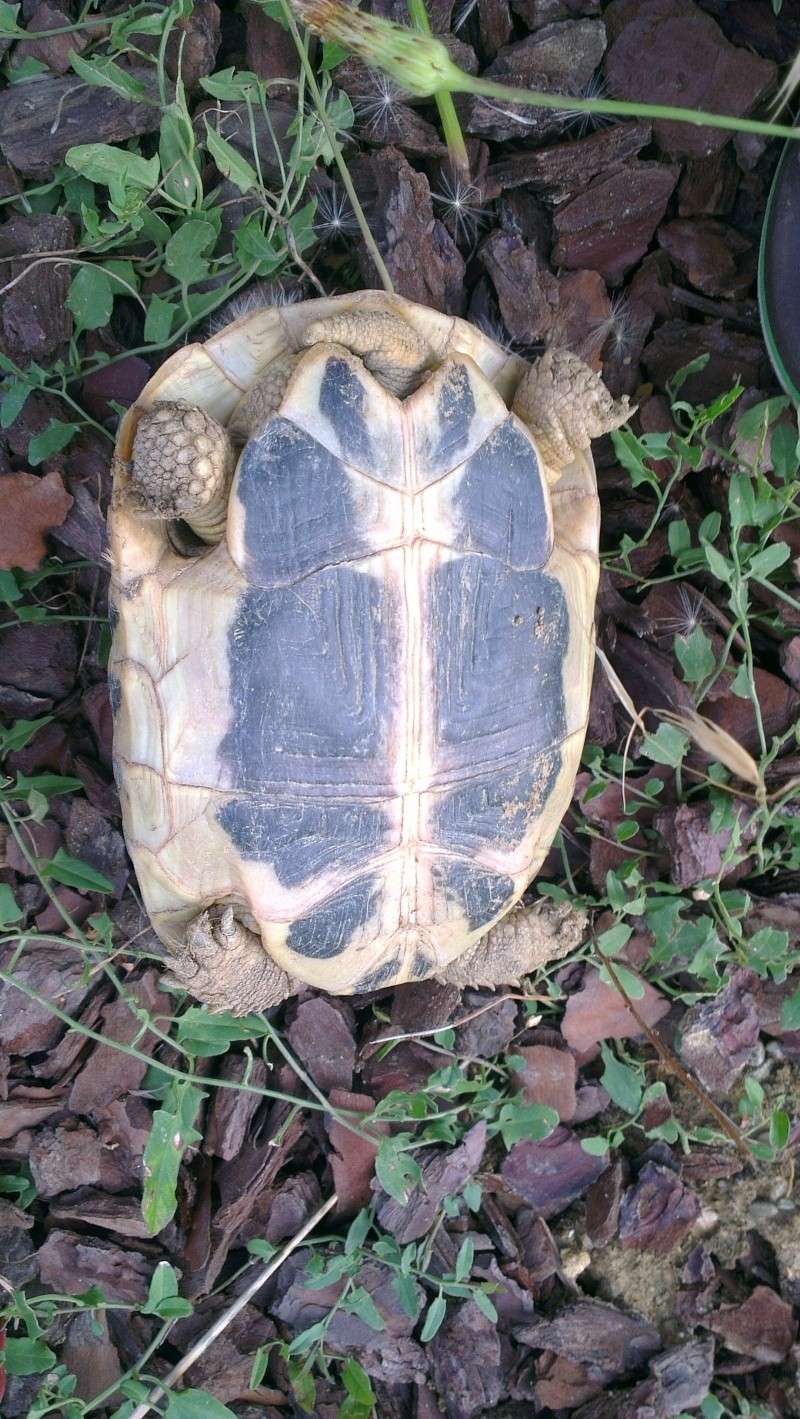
182, 467
226, 966
525, 940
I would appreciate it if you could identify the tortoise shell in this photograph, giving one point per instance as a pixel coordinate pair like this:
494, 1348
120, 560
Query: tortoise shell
358, 718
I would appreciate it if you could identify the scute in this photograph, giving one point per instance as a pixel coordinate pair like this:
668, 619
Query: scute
337, 923
302, 838
499, 689
310, 675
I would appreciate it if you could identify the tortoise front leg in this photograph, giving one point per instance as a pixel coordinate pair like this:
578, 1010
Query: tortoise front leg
182, 467
565, 405
524, 941
226, 966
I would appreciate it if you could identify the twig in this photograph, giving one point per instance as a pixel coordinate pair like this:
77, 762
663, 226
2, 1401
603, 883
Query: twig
670, 1060
223, 1321
455, 1024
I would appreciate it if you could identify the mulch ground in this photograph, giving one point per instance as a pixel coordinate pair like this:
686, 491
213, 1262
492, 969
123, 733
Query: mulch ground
623, 1286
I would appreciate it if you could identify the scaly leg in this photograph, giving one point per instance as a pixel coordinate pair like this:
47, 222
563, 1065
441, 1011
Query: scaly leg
226, 966
565, 405
524, 941
182, 467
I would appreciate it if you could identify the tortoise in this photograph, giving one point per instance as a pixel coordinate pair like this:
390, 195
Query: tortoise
355, 557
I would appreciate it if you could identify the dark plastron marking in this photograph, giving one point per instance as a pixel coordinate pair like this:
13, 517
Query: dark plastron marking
381, 975
502, 638
480, 894
310, 672
113, 614
301, 839
329, 929
496, 810
499, 503
302, 510
341, 400
421, 966
455, 411
114, 692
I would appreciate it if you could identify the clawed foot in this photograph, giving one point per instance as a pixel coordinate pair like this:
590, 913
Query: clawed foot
565, 405
182, 467
526, 939
226, 966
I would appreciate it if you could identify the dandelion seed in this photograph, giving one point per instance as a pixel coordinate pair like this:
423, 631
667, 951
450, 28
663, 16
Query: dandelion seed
462, 14
690, 614
580, 122
376, 109
461, 204
615, 330
335, 218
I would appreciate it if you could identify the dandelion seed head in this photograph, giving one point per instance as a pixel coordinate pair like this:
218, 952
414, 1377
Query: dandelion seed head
461, 205
335, 218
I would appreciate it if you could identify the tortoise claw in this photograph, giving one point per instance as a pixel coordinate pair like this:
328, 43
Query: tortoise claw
525, 940
226, 966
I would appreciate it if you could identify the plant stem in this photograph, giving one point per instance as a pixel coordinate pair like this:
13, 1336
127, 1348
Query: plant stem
623, 108
453, 136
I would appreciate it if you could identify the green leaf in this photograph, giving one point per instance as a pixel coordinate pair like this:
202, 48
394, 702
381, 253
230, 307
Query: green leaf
611, 941
71, 872
27, 1357
357, 1383
171, 1134
20, 733
105, 74
464, 1260
9, 911
9, 29
596, 1144
790, 1012
484, 1304
396, 1171
741, 501
254, 252
51, 440
332, 54
196, 1404
163, 1294
47, 784
433, 1319
717, 564
358, 1231
785, 452
667, 746
620, 1081
202, 1033
102, 163
184, 256
230, 162
631, 452
631, 983
763, 564
232, 84
407, 1294
517, 1120
176, 149
91, 298
696, 655
360, 1303
780, 1126
754, 422
302, 1382
680, 376
159, 321
13, 401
